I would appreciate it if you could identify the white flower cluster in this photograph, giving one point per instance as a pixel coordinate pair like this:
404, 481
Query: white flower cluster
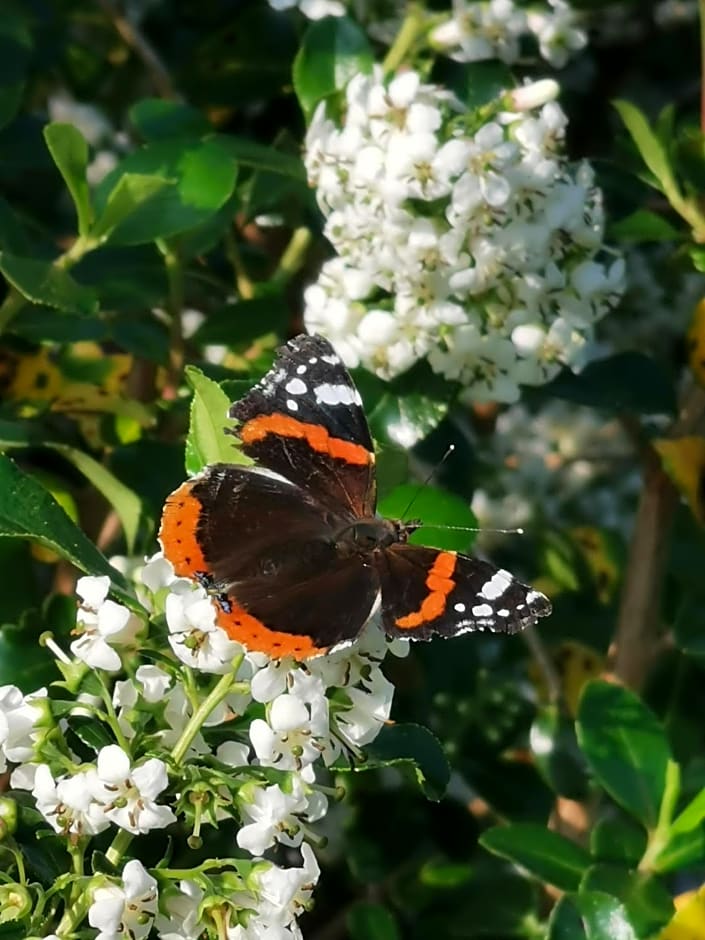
495, 29
308, 715
552, 465
468, 241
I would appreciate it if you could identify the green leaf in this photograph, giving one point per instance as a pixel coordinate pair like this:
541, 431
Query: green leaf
683, 849
691, 816
41, 282
27, 510
604, 918
647, 903
416, 747
208, 441
475, 83
404, 411
243, 322
333, 51
131, 214
124, 501
367, 921
436, 509
545, 854
617, 840
625, 747
15, 49
643, 226
91, 732
157, 119
649, 146
627, 381
202, 174
69, 151
256, 156
556, 753
565, 923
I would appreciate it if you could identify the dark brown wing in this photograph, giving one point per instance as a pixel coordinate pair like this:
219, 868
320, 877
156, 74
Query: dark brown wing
427, 592
264, 549
305, 421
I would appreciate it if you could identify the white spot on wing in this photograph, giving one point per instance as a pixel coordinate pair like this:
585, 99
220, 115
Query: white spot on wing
327, 394
535, 596
292, 405
313, 360
482, 610
503, 612
331, 360
460, 608
301, 370
296, 387
497, 585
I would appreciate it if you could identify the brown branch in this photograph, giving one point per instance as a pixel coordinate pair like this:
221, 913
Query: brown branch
636, 640
140, 45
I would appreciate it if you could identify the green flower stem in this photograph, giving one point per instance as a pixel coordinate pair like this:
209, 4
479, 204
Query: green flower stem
119, 846
411, 29
175, 306
195, 723
293, 258
659, 836
111, 718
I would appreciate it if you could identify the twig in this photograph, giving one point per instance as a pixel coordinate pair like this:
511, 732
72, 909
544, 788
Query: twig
140, 45
636, 638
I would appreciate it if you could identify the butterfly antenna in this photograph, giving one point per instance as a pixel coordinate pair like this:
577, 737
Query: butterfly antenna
449, 451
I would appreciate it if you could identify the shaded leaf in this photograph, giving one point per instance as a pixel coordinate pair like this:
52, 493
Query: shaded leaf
436, 509
648, 144
132, 213
366, 921
545, 854
647, 903
157, 119
27, 510
42, 283
415, 746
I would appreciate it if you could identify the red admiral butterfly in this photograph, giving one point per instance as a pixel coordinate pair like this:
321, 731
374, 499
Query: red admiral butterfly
291, 550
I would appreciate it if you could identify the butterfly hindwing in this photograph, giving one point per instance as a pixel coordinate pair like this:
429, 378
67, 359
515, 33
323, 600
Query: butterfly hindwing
427, 592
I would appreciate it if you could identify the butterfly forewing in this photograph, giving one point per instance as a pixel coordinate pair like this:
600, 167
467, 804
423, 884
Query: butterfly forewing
304, 420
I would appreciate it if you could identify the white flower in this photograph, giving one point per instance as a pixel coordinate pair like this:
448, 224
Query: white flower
101, 624
269, 815
19, 718
180, 920
127, 794
193, 634
295, 734
370, 706
127, 912
67, 803
447, 241
284, 893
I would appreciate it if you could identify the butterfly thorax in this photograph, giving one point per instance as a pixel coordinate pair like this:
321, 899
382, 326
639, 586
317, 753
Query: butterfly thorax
373, 533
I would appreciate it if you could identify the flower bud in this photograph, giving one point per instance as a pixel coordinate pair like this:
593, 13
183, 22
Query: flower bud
534, 94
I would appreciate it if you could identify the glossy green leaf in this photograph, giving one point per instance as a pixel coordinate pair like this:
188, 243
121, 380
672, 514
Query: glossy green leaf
15, 50
648, 144
403, 412
256, 156
202, 175
476, 84
542, 852
208, 441
158, 119
416, 748
627, 381
604, 918
436, 509
69, 151
625, 747
42, 283
27, 510
367, 921
617, 840
565, 922
333, 51
647, 903
132, 213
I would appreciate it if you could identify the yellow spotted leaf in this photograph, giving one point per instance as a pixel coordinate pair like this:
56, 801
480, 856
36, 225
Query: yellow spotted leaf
575, 664
684, 461
688, 923
695, 343
599, 554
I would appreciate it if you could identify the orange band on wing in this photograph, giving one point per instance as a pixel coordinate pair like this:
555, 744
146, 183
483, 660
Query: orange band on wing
316, 437
177, 533
255, 637
439, 583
